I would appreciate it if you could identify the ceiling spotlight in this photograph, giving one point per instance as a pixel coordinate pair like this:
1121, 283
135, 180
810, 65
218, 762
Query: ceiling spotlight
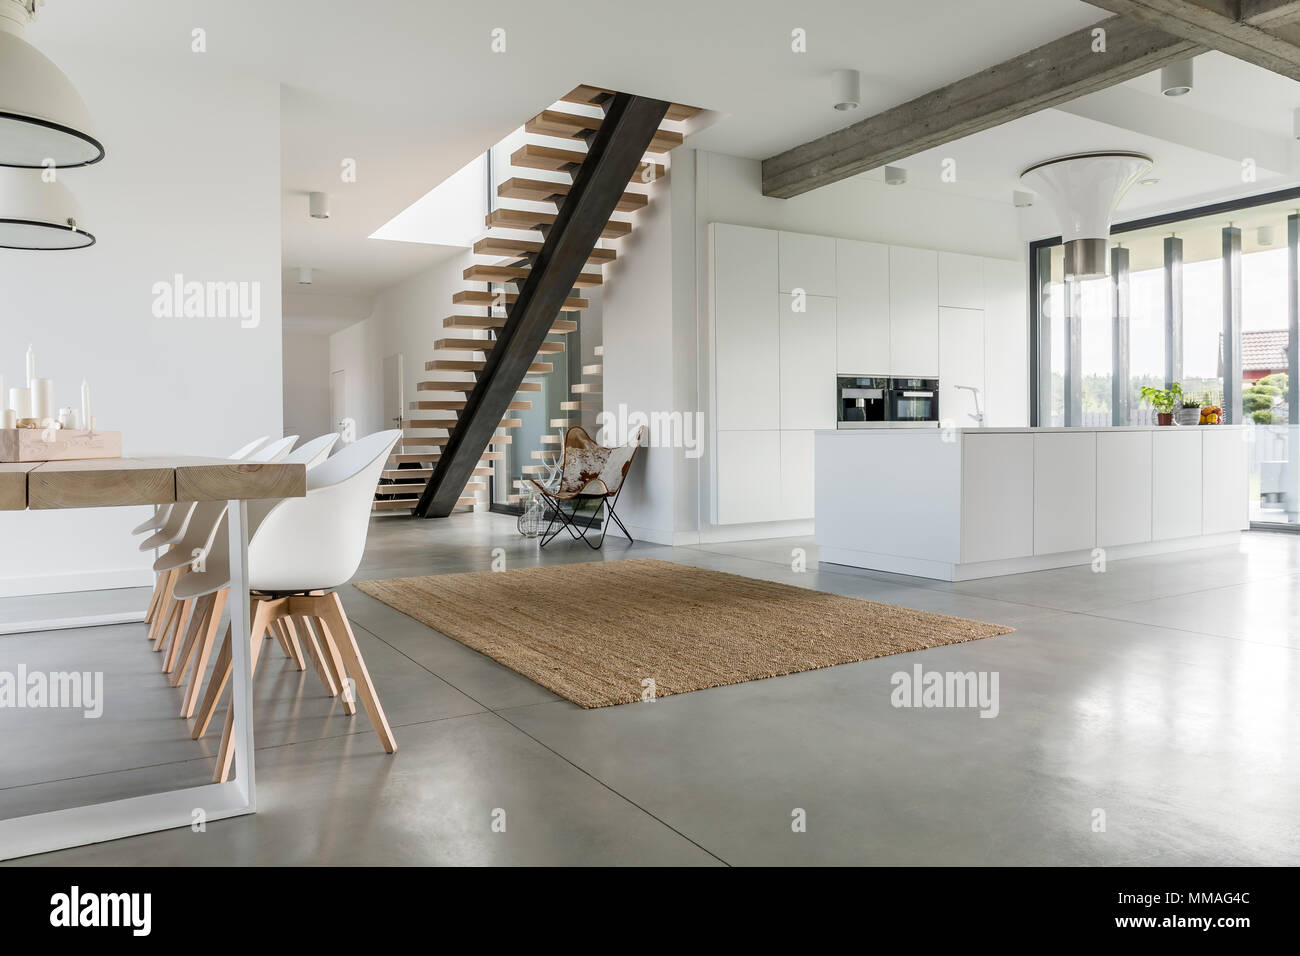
1176, 78
1264, 235
318, 204
847, 87
895, 175
304, 275
1149, 181
42, 117
1022, 198
35, 214
1295, 123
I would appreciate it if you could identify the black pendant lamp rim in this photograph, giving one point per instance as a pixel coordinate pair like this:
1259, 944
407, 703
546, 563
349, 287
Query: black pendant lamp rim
49, 124
48, 225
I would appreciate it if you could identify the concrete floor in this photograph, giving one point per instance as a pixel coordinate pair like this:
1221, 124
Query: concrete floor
1164, 692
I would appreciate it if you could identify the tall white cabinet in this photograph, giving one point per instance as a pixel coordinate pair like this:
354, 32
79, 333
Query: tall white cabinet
789, 312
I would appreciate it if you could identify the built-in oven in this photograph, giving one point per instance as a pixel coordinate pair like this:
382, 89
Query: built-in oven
861, 400
913, 400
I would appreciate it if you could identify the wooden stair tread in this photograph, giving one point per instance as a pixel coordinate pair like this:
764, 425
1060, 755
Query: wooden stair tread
558, 327
534, 470
551, 440
593, 95
536, 156
468, 365
540, 190
485, 273
528, 219
432, 456
450, 423
584, 389
489, 299
439, 440
500, 246
485, 345
599, 351
578, 126
458, 406
593, 370
563, 422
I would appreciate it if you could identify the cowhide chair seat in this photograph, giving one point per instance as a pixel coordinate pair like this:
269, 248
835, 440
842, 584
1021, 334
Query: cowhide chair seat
588, 470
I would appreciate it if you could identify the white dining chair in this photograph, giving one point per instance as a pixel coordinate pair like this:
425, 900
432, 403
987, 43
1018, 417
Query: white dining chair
189, 557
159, 518
172, 619
299, 552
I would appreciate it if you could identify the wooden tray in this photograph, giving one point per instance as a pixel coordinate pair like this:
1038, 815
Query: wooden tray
29, 444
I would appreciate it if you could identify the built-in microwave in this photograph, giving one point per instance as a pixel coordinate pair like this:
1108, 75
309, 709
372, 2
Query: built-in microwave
861, 400
913, 400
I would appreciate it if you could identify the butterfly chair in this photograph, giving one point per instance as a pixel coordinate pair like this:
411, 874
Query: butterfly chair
588, 472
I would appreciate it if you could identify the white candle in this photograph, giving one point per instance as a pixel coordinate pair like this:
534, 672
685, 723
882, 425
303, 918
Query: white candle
20, 400
31, 366
42, 399
10, 418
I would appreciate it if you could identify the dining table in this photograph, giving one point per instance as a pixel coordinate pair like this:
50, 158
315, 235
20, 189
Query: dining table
132, 482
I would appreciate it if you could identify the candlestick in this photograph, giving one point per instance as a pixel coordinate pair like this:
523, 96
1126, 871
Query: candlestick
42, 398
31, 367
85, 405
20, 400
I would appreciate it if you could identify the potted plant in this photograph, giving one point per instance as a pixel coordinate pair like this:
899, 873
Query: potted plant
1163, 400
1190, 413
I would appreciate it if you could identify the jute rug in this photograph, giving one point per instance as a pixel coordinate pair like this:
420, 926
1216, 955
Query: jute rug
593, 632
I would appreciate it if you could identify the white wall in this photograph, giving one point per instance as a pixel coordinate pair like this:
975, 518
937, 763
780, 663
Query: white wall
406, 319
190, 185
306, 384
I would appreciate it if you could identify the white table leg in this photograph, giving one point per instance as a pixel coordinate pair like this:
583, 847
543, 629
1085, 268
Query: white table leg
79, 826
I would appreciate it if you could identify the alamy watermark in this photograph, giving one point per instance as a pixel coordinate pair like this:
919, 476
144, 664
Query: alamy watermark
71, 690
921, 688
662, 429
179, 299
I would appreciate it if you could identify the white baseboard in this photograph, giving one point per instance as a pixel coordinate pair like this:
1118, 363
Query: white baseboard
76, 581
720, 533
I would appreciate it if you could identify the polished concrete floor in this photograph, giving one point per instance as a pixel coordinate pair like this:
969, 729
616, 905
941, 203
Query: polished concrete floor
1148, 715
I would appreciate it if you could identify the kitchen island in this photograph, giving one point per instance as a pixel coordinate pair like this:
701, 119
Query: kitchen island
957, 504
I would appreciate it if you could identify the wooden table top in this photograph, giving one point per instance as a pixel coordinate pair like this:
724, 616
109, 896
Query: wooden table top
116, 482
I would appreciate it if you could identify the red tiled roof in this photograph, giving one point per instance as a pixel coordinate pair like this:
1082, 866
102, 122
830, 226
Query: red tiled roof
1262, 350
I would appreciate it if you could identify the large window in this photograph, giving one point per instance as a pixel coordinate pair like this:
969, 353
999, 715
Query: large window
1168, 287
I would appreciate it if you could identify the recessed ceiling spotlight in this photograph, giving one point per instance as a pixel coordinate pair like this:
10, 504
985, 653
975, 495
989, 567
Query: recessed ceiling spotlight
1176, 78
1295, 123
1149, 181
895, 175
847, 87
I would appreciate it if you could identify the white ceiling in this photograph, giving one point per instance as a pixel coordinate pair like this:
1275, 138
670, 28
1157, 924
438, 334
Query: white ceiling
411, 90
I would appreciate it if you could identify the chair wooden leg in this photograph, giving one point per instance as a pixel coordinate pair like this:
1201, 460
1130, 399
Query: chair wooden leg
152, 609
318, 657
216, 684
197, 626
189, 613
262, 618
204, 652
174, 610
291, 638
163, 606
334, 661
355, 667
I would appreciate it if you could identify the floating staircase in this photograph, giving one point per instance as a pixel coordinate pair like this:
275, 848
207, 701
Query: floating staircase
491, 326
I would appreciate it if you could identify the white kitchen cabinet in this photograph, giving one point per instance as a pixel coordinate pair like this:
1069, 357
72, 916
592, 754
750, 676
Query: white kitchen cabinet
1224, 467
748, 476
797, 488
1006, 344
1065, 492
808, 263
961, 281
862, 307
807, 363
1123, 488
913, 312
997, 510
746, 327
961, 362
1176, 482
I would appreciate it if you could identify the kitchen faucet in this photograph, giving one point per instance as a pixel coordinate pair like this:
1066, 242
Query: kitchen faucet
975, 393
